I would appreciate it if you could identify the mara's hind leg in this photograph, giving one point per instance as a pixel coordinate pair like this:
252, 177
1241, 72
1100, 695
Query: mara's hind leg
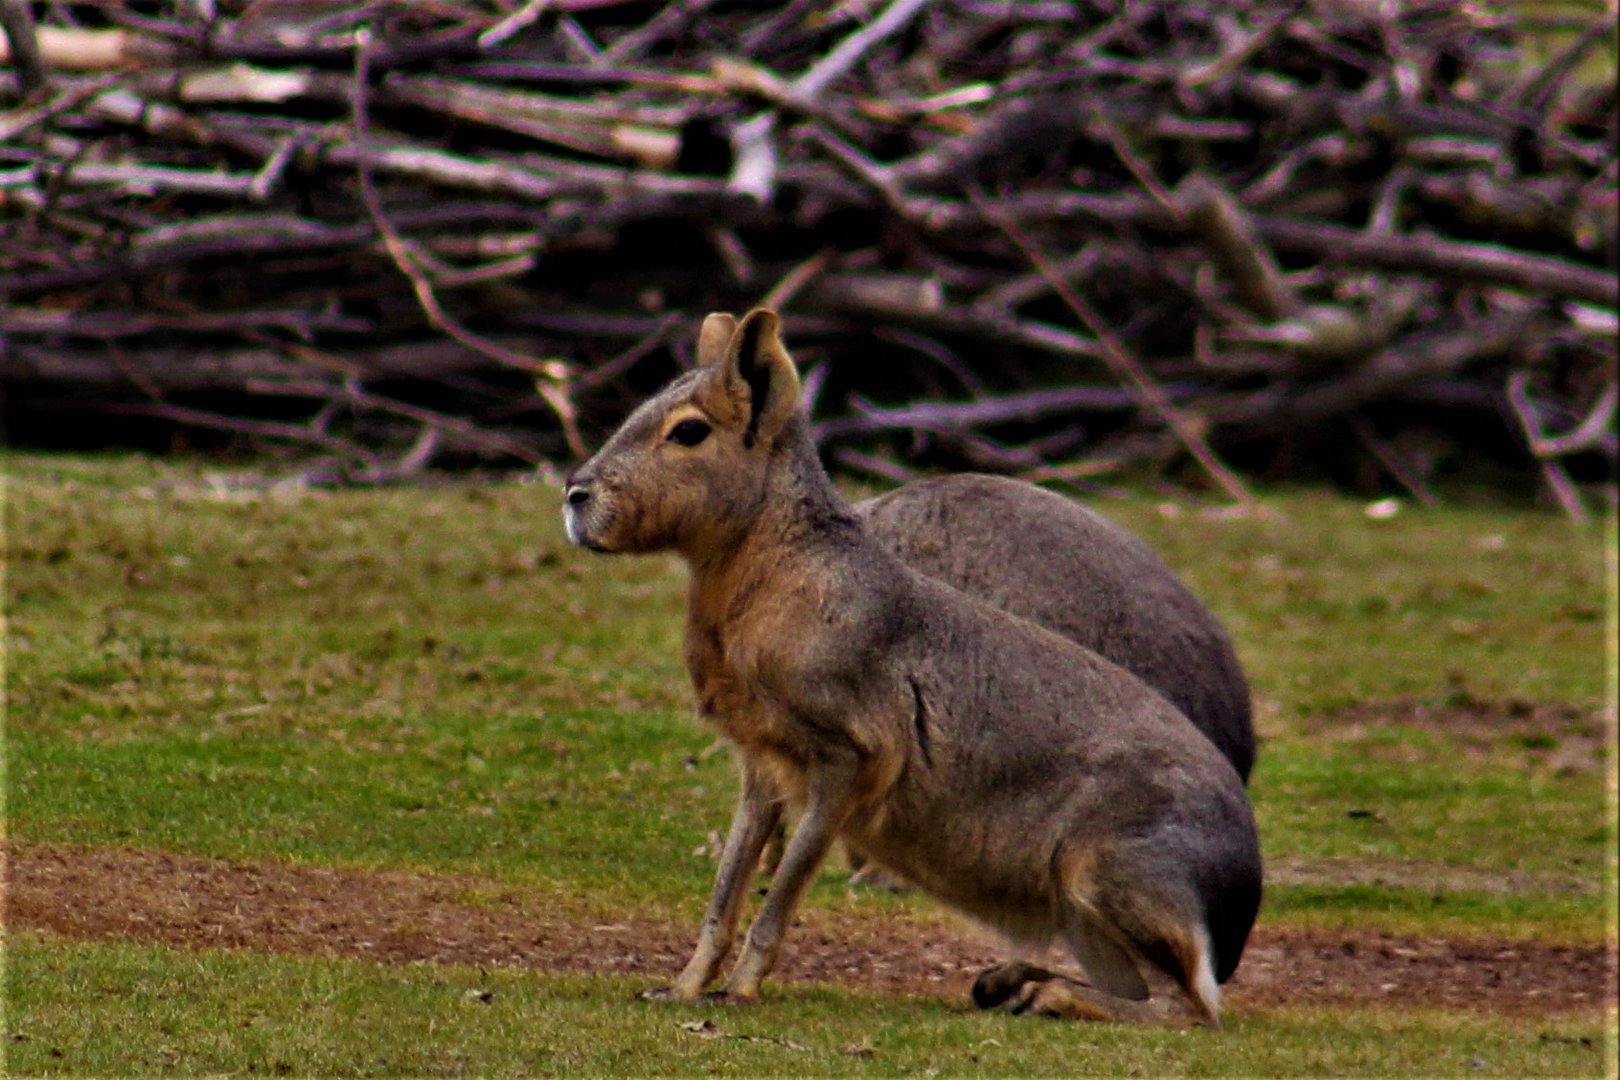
1138, 905
1101, 951
1124, 926
1160, 941
1117, 991
1114, 990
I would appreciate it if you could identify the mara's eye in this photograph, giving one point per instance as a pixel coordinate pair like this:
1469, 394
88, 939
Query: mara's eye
689, 432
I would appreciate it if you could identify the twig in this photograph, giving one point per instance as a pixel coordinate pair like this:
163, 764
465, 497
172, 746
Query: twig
665, 24
1070, 471
1427, 254
611, 369
795, 280
865, 170
1016, 291
136, 377
17, 20
986, 412
732, 251
454, 171
1416, 359
116, 323
1539, 87
261, 429
64, 100
551, 376
522, 17
245, 236
1229, 236
578, 41
132, 178
939, 354
1251, 43
270, 173
350, 393
881, 468
1125, 367
1391, 461
421, 452
1552, 471
167, 122
848, 52
1134, 164
1583, 436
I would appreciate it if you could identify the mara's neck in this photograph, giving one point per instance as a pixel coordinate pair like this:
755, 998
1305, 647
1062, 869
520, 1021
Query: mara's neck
798, 514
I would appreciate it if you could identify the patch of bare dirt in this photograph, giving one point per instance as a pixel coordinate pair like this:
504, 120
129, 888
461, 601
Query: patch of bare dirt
1560, 738
1427, 876
391, 917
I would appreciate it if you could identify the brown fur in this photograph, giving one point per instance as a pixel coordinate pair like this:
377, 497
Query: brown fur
1017, 776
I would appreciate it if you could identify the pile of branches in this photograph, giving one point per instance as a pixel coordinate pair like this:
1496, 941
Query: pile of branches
1049, 237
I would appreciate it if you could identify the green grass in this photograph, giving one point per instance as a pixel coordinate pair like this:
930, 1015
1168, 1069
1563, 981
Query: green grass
231, 1012
430, 680
1332, 608
502, 800
1338, 803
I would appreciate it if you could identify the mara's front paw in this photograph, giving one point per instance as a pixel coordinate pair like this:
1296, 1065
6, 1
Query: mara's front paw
736, 993
701, 997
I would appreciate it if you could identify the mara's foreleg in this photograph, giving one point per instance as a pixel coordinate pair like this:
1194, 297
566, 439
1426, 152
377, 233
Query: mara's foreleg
759, 811
831, 799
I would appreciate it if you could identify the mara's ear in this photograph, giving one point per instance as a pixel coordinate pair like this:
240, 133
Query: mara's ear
760, 376
714, 336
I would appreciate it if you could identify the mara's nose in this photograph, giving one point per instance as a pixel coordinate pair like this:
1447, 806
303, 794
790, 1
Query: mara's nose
578, 495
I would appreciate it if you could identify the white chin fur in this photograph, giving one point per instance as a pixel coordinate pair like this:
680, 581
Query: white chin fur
571, 527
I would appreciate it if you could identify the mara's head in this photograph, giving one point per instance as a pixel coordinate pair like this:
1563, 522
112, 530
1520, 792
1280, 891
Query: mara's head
688, 470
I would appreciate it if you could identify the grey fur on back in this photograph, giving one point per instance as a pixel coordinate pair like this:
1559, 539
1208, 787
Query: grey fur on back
1042, 557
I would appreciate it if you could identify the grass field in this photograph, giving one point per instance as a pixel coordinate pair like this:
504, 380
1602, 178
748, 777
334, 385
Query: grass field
429, 683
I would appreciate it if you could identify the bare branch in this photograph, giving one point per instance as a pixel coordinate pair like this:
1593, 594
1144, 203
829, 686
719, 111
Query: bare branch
1130, 371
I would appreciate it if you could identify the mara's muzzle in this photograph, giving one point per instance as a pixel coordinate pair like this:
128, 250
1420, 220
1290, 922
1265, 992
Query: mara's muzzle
576, 505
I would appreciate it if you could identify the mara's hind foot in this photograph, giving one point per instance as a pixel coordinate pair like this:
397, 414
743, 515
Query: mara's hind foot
1000, 983
1020, 987
1066, 999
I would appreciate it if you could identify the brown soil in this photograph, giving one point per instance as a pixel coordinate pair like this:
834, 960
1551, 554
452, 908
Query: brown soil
394, 917
1559, 738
